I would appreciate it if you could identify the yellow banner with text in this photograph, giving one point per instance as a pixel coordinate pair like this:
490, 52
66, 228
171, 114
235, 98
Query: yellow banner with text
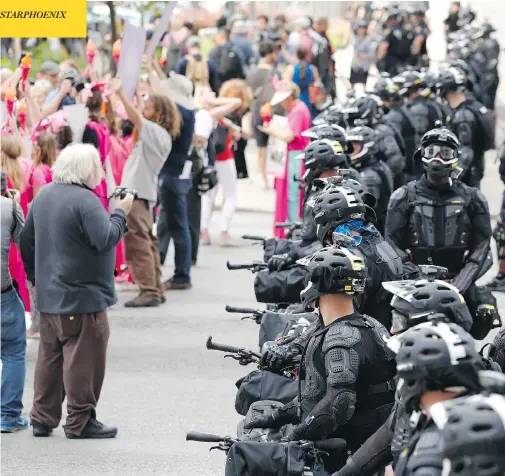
46, 19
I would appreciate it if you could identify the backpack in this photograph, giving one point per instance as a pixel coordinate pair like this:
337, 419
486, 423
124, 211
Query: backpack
229, 63
197, 71
174, 54
486, 123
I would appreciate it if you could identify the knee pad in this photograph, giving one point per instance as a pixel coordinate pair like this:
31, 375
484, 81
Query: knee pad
497, 349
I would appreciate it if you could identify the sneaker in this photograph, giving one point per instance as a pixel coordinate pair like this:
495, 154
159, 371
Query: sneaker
20, 424
497, 284
170, 285
143, 300
94, 430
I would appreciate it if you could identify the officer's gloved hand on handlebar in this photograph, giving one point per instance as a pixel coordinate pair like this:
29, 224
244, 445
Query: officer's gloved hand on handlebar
280, 262
278, 356
280, 417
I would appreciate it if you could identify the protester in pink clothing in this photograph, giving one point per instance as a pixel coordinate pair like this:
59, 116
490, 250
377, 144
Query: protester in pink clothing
97, 133
289, 197
43, 156
16, 170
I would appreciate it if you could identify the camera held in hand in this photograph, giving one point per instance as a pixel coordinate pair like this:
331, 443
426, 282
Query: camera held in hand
121, 192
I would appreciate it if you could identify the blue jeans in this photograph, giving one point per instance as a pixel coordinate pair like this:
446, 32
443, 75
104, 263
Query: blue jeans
174, 192
13, 355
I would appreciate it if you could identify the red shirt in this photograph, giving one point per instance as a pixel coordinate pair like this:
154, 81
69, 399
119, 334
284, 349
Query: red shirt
227, 154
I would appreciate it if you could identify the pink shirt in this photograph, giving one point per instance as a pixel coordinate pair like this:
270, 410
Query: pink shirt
299, 120
41, 175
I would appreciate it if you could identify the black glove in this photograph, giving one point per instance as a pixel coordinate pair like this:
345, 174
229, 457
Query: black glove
280, 262
280, 417
277, 356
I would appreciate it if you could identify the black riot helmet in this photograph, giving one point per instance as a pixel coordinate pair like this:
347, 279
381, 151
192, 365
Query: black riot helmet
332, 115
412, 82
336, 205
322, 155
438, 152
386, 89
451, 80
435, 356
332, 132
333, 270
429, 82
473, 431
365, 136
415, 302
365, 110
349, 178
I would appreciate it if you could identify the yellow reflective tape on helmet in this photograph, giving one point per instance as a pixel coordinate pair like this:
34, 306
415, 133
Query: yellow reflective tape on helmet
487, 306
348, 288
337, 147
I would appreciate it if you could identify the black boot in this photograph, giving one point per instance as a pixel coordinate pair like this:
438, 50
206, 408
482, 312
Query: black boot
94, 430
39, 429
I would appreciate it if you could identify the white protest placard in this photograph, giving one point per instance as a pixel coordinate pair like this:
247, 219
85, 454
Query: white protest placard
130, 62
77, 117
161, 28
277, 149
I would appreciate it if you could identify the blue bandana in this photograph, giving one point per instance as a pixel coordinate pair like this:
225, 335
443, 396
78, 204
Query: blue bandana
354, 225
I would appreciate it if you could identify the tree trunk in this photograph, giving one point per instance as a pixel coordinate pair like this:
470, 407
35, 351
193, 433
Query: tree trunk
113, 25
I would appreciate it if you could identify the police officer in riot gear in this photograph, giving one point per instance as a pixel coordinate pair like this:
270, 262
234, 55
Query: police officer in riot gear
482, 59
436, 362
332, 115
287, 278
374, 174
441, 221
366, 111
346, 386
418, 108
429, 81
322, 159
461, 422
471, 122
498, 283
413, 303
332, 132
395, 49
388, 91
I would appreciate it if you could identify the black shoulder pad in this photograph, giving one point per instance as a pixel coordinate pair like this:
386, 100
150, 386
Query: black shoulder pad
397, 196
341, 335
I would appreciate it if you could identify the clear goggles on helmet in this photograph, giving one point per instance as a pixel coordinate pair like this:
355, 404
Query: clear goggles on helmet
401, 322
435, 151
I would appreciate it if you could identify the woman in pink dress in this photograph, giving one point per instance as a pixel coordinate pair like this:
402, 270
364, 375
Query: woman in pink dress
17, 170
118, 153
289, 197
